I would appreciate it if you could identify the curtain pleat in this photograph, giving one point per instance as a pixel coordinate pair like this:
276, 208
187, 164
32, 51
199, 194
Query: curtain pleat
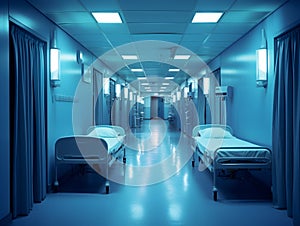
286, 136
28, 150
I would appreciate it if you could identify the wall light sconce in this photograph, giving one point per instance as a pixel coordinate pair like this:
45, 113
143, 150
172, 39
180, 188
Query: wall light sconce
206, 84
118, 90
185, 92
130, 96
125, 92
79, 57
54, 62
262, 62
54, 67
174, 98
178, 95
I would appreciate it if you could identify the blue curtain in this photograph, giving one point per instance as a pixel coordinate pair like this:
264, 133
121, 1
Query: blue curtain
28, 140
286, 125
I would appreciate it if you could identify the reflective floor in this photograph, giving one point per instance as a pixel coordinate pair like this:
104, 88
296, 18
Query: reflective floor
167, 190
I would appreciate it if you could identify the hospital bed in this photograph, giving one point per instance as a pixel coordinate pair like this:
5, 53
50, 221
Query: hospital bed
100, 148
217, 149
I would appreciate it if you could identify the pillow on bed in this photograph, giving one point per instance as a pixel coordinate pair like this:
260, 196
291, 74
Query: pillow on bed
215, 133
106, 132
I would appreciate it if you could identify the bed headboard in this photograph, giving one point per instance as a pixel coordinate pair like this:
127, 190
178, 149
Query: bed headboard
201, 127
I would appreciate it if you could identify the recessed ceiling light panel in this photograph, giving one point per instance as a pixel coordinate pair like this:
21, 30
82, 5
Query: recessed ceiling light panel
182, 57
130, 57
207, 17
107, 17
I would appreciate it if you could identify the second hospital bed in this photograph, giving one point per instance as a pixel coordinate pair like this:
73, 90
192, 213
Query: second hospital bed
218, 149
101, 146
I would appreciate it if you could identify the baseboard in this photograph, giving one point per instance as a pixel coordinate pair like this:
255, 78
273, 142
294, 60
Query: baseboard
6, 220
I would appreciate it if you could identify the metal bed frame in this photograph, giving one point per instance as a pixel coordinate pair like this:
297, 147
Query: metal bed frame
222, 163
87, 149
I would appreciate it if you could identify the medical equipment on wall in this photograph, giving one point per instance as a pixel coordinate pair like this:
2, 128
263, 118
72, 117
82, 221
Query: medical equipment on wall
224, 94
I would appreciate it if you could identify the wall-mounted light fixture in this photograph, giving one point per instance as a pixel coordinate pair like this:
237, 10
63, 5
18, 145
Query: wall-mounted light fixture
262, 62
125, 92
178, 95
118, 90
79, 57
54, 62
185, 92
106, 85
206, 84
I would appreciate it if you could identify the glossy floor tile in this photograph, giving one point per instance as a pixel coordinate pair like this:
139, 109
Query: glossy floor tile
182, 196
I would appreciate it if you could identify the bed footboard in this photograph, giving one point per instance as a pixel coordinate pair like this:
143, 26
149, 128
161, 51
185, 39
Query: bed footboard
80, 149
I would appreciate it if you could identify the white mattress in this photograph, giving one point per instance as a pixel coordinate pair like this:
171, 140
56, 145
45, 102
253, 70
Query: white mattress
114, 144
235, 148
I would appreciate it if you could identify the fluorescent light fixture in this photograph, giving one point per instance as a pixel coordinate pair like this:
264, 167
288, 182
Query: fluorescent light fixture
174, 69
166, 84
174, 98
130, 57
185, 92
125, 92
106, 88
107, 17
182, 57
118, 90
163, 87
130, 95
169, 78
54, 66
207, 17
145, 84
79, 57
261, 67
141, 78
206, 83
178, 94
136, 69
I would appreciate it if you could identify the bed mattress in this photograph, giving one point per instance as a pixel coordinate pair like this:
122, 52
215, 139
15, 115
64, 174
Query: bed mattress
231, 148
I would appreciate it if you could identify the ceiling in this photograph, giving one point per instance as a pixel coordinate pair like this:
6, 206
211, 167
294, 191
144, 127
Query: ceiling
166, 21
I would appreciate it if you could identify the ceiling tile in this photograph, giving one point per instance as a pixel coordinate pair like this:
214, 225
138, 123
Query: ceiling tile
214, 5
47, 6
161, 37
156, 28
200, 28
71, 17
177, 5
194, 37
157, 16
114, 29
96, 5
233, 28
257, 5
86, 28
243, 16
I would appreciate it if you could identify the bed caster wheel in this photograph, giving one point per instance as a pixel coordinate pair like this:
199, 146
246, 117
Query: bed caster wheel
215, 195
193, 163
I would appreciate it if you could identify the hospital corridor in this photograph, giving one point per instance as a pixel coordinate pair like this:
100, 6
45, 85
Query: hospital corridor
137, 112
